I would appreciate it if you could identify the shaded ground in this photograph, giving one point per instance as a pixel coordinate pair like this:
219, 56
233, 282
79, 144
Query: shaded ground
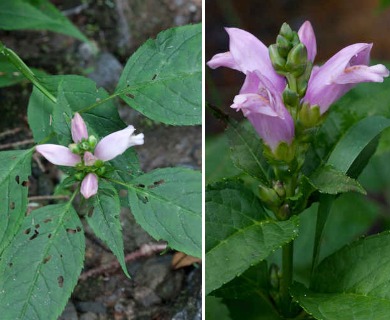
156, 290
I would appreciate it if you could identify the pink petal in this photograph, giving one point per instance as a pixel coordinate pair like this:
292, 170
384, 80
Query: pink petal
263, 106
58, 155
223, 60
89, 159
250, 54
89, 185
308, 38
361, 73
251, 103
116, 143
79, 128
341, 73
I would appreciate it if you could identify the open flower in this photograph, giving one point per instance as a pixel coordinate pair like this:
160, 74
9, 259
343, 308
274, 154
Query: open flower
107, 149
260, 98
340, 73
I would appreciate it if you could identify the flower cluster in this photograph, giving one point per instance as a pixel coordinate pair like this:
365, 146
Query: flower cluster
87, 155
275, 74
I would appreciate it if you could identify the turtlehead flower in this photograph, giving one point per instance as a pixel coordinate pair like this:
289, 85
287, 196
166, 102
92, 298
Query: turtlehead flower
260, 98
340, 73
79, 154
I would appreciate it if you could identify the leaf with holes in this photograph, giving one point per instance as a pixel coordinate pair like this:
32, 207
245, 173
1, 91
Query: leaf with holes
353, 283
35, 15
104, 220
15, 167
167, 203
163, 78
41, 268
238, 232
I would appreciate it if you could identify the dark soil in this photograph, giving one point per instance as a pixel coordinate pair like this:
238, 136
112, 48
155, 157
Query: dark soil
118, 27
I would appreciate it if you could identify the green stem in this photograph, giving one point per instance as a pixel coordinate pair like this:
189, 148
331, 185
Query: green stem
287, 276
25, 70
292, 82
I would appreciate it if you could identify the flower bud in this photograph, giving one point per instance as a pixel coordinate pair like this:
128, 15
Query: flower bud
284, 212
84, 145
92, 141
297, 60
284, 152
269, 196
286, 32
101, 171
277, 60
79, 176
284, 46
309, 116
74, 148
279, 189
99, 163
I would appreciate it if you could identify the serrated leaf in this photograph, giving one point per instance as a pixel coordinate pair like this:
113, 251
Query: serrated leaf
167, 203
253, 282
104, 220
76, 94
331, 181
40, 269
218, 162
238, 232
163, 78
35, 15
353, 283
40, 108
15, 168
247, 150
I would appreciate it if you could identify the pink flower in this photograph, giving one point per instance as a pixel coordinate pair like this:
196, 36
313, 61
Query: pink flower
107, 149
260, 98
340, 73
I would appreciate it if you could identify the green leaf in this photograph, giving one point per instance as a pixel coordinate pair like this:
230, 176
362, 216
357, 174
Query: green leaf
353, 283
40, 108
350, 216
35, 15
253, 282
40, 269
238, 232
216, 310
250, 309
218, 162
366, 100
353, 143
331, 181
163, 78
15, 168
77, 94
350, 156
247, 150
104, 220
167, 203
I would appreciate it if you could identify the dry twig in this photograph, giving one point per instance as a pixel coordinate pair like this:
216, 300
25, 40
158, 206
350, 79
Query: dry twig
146, 250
